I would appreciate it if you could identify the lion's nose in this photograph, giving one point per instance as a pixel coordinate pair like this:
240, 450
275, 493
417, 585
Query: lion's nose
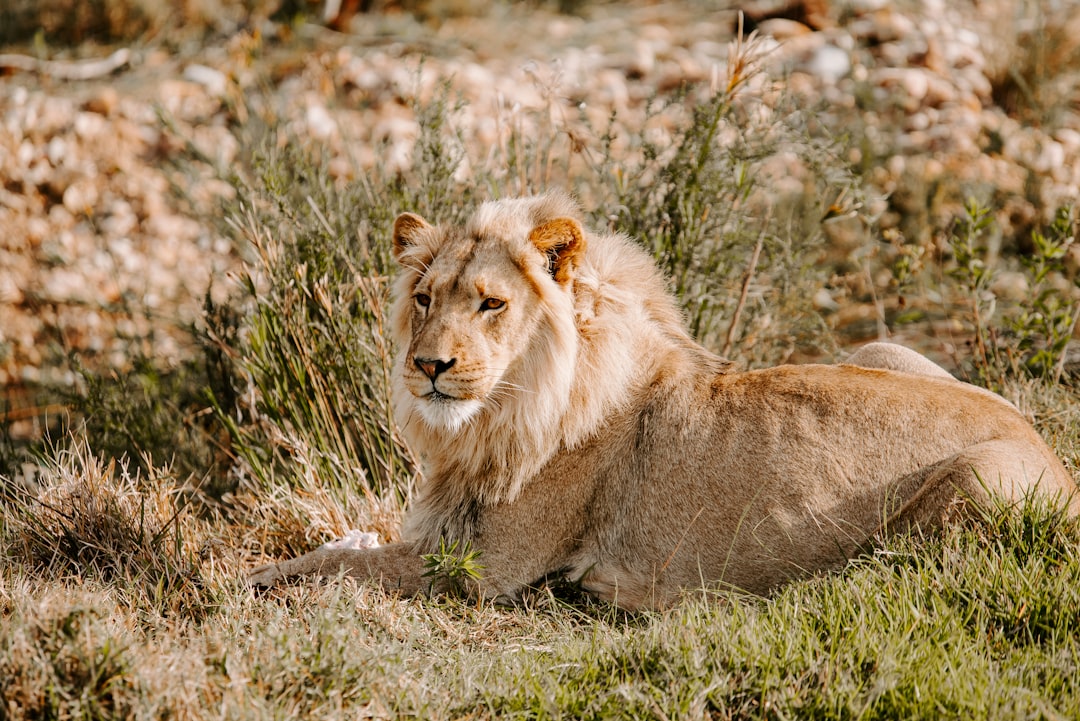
433, 368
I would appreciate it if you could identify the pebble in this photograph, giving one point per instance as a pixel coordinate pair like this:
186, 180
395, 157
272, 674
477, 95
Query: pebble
784, 29
215, 81
81, 196
103, 101
1050, 157
1069, 138
319, 123
1011, 285
89, 126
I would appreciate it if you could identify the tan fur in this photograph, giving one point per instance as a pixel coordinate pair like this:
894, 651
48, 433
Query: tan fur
578, 429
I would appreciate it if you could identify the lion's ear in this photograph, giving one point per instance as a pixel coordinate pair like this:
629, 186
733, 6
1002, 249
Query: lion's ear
407, 229
562, 241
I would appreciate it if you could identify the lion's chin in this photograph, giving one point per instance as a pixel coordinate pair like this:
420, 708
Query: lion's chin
446, 413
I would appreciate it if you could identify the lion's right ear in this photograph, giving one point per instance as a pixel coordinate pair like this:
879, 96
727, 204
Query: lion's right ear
408, 227
563, 242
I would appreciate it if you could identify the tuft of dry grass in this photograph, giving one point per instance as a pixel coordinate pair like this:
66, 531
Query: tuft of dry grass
88, 518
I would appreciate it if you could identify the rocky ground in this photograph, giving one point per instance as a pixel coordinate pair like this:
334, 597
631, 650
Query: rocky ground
104, 237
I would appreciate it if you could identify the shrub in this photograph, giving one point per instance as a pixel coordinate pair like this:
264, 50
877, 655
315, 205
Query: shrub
1009, 336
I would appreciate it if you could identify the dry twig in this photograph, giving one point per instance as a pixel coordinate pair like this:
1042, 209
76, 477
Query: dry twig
78, 70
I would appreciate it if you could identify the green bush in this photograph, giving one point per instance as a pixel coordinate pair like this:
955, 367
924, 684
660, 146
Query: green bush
1029, 336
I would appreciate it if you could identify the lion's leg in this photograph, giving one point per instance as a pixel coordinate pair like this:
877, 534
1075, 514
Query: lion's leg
395, 566
1003, 470
892, 356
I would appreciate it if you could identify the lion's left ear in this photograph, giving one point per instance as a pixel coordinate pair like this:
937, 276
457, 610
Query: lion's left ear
562, 241
408, 227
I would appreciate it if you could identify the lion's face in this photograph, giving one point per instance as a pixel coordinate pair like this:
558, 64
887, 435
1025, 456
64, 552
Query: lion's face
472, 305
471, 318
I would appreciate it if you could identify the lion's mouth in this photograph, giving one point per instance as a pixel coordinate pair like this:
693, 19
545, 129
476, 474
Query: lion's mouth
436, 396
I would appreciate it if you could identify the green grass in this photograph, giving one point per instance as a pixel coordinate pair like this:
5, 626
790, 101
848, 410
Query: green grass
121, 589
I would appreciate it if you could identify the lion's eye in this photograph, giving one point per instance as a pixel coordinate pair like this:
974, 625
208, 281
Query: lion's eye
491, 304
422, 299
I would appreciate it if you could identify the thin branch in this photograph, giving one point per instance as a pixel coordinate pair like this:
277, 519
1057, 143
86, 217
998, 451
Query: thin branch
747, 279
78, 70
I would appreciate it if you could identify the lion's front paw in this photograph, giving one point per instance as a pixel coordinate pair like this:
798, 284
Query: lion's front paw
354, 539
264, 576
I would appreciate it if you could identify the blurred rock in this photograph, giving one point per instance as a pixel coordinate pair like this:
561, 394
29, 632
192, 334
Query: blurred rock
213, 80
830, 64
103, 101
811, 13
783, 29
1011, 285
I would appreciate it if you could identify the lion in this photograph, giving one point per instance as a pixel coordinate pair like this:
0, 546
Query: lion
569, 425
